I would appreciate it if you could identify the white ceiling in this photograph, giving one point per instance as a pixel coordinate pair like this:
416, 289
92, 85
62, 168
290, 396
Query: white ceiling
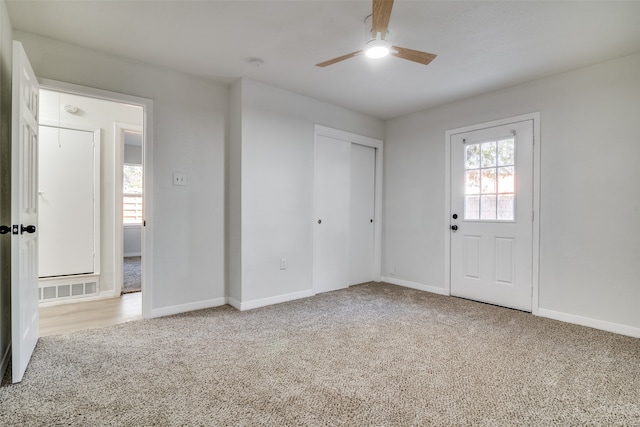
481, 45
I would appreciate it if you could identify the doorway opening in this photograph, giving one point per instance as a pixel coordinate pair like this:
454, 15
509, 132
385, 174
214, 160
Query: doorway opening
118, 208
132, 208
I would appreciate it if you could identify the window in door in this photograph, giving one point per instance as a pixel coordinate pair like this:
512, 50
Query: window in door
489, 180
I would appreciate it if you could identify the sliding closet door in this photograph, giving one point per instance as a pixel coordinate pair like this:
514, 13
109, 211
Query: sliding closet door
66, 203
344, 206
363, 173
332, 193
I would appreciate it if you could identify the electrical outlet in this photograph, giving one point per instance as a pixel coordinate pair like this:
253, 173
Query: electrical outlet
283, 263
179, 178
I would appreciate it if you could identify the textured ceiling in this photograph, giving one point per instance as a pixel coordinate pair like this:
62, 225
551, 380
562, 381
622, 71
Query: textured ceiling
481, 45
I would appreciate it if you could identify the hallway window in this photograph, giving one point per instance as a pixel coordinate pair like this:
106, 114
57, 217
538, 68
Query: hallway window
132, 194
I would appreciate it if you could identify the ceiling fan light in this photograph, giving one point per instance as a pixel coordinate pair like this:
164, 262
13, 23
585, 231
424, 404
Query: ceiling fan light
377, 48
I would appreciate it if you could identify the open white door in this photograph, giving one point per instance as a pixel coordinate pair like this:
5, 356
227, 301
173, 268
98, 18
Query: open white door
24, 213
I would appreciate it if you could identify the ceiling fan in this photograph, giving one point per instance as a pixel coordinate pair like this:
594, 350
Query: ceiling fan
378, 46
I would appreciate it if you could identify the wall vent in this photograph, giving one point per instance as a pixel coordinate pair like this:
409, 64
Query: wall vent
64, 288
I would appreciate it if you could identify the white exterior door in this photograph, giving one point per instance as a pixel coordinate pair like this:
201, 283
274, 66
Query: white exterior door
69, 178
491, 215
24, 213
361, 233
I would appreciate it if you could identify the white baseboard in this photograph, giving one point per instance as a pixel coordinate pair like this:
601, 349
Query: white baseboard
592, 323
256, 303
131, 254
183, 308
5, 360
414, 285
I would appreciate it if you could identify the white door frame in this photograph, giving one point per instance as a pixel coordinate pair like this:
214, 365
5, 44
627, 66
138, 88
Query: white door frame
147, 144
320, 130
536, 198
119, 129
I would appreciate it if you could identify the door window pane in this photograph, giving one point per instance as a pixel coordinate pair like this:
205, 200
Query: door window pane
472, 154
505, 207
489, 181
506, 180
506, 152
488, 154
472, 207
488, 207
472, 182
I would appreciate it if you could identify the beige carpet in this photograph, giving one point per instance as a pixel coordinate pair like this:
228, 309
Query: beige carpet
373, 354
131, 274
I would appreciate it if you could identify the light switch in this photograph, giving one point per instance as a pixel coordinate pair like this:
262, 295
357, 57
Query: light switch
179, 178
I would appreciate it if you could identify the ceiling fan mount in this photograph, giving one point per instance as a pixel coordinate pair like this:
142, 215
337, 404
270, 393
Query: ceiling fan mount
378, 46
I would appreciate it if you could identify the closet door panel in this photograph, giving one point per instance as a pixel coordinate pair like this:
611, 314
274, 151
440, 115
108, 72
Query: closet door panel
332, 204
361, 230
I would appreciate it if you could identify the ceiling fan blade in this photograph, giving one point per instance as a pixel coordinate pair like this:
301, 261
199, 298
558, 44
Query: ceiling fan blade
380, 19
339, 58
413, 55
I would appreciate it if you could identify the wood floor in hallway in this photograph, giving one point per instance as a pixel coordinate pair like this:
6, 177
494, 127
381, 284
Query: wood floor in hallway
62, 319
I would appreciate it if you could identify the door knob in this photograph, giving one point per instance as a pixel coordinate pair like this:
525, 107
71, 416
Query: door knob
455, 216
454, 227
29, 229
319, 221
4, 229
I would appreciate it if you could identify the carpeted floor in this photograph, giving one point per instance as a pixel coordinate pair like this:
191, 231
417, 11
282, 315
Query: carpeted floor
373, 354
131, 274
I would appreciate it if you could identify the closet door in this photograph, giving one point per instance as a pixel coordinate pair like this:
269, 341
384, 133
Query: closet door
344, 209
66, 203
361, 232
332, 193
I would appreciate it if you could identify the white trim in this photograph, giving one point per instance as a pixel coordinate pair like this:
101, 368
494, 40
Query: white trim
5, 360
147, 148
131, 254
183, 308
589, 322
414, 285
378, 145
535, 296
535, 117
256, 303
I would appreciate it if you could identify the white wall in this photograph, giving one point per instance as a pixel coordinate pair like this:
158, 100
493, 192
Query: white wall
6, 61
277, 134
190, 116
132, 240
132, 153
96, 114
589, 190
